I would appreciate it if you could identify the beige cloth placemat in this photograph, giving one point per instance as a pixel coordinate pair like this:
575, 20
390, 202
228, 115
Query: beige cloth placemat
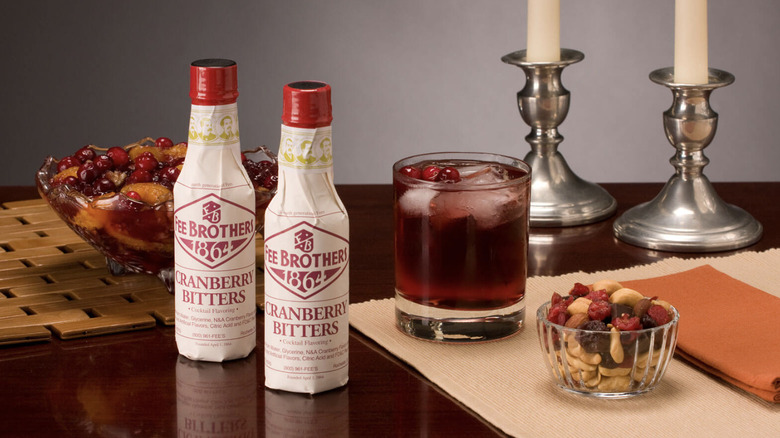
507, 384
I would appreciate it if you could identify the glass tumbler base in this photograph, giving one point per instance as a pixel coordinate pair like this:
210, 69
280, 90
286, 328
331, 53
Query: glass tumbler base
457, 326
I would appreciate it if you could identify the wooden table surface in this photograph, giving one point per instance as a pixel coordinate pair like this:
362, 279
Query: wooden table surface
126, 384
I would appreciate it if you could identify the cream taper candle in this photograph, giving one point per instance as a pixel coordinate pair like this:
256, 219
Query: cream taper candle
690, 42
544, 31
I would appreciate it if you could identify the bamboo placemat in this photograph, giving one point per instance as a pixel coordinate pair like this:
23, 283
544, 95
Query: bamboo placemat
52, 283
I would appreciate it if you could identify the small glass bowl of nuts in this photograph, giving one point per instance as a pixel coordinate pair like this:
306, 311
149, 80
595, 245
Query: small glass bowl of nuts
607, 341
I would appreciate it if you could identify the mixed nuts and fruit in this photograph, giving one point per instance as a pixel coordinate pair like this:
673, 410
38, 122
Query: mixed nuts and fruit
608, 347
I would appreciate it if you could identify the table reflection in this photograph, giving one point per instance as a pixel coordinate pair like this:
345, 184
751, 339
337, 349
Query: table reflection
216, 399
290, 414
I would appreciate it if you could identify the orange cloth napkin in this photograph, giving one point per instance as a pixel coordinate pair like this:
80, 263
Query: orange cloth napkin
727, 328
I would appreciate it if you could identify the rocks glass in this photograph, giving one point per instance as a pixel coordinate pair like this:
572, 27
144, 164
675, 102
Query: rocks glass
461, 244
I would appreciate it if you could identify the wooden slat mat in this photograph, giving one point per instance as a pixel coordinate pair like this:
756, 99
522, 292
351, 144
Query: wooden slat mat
54, 283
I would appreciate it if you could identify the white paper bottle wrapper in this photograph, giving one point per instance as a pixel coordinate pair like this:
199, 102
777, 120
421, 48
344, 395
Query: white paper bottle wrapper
214, 245
306, 270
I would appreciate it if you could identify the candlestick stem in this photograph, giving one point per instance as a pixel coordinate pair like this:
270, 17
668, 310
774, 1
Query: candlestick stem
688, 215
559, 197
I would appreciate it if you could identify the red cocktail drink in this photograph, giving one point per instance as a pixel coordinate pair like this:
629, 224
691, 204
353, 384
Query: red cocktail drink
461, 241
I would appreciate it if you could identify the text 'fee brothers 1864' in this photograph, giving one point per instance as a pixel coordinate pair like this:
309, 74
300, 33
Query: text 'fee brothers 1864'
214, 225
306, 253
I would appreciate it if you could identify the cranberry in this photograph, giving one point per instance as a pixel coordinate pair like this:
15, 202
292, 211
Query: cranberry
103, 185
270, 181
243, 158
598, 295
659, 314
170, 174
556, 298
163, 142
119, 156
557, 315
599, 310
626, 322
139, 176
430, 173
146, 161
410, 171
103, 163
67, 162
87, 172
85, 154
449, 175
133, 195
72, 181
579, 290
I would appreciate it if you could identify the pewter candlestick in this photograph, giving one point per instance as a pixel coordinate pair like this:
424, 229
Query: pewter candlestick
559, 198
688, 215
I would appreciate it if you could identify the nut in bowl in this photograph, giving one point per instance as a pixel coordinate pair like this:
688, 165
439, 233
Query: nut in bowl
120, 199
607, 341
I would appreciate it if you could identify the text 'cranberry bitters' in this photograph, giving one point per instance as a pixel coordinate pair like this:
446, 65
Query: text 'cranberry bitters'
149, 161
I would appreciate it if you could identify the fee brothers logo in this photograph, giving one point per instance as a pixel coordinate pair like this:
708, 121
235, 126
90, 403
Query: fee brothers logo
305, 259
213, 230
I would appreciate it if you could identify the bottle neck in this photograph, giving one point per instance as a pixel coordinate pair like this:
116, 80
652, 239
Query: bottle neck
306, 150
214, 125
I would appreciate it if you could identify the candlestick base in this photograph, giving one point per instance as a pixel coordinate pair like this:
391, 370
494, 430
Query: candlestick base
688, 215
559, 198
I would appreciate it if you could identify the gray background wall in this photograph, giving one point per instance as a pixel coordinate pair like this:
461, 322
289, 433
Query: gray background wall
408, 76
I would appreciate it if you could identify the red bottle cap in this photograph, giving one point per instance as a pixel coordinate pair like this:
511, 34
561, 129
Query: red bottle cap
307, 105
213, 82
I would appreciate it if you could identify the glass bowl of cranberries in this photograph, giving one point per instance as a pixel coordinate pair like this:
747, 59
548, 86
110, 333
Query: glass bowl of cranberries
120, 199
607, 341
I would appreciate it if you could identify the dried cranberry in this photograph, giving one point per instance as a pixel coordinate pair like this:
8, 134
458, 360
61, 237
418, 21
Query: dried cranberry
598, 295
411, 171
626, 322
556, 298
579, 290
85, 154
67, 162
119, 156
449, 175
430, 173
659, 314
87, 172
599, 310
557, 315
163, 142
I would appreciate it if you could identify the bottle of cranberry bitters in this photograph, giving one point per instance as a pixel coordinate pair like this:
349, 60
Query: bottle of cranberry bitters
214, 221
306, 253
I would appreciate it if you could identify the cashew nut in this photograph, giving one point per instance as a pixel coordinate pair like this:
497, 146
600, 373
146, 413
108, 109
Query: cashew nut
611, 372
615, 347
626, 296
608, 285
580, 305
615, 384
